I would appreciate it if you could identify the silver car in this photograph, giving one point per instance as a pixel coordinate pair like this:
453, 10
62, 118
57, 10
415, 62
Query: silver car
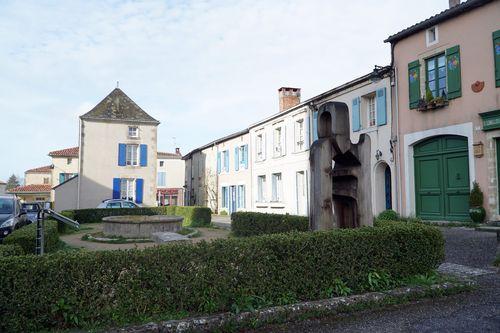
12, 215
118, 203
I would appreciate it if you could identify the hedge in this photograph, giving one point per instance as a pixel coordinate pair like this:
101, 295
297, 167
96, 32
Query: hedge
25, 237
252, 224
194, 216
114, 288
11, 250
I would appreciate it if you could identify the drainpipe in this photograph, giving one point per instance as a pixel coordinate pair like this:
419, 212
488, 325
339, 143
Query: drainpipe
397, 157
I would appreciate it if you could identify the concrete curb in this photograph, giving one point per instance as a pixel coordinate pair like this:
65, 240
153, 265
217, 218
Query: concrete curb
229, 321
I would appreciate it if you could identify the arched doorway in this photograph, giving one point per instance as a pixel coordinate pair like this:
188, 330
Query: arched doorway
383, 186
442, 178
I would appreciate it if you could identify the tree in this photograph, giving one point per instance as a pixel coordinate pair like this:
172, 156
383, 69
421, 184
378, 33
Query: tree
12, 182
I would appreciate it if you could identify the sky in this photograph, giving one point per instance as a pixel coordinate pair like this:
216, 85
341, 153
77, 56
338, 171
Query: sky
204, 69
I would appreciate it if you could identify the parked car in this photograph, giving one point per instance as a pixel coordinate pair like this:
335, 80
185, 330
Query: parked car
31, 209
118, 203
12, 215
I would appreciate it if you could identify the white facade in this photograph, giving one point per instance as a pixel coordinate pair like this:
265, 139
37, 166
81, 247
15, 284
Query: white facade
170, 179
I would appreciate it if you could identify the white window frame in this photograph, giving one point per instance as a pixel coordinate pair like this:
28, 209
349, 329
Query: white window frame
164, 179
277, 187
260, 146
371, 102
261, 188
241, 152
299, 133
127, 189
428, 33
129, 155
133, 132
241, 198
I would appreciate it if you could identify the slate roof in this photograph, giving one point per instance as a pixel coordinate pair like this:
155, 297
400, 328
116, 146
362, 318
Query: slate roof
67, 152
34, 188
119, 107
438, 18
43, 169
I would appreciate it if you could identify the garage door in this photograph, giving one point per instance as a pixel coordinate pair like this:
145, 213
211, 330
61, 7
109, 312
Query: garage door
442, 178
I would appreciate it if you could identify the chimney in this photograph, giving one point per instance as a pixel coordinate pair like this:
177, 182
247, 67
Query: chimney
453, 3
289, 97
178, 151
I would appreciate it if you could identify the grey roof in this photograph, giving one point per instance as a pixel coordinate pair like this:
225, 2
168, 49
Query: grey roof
438, 18
118, 106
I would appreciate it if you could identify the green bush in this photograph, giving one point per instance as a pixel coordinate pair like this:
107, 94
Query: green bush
252, 224
388, 215
108, 288
11, 250
25, 237
194, 216
476, 197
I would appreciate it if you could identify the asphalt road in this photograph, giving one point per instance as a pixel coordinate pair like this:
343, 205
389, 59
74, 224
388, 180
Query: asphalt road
476, 311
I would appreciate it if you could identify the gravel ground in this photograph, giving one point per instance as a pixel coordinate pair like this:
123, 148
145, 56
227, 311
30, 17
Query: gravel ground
476, 311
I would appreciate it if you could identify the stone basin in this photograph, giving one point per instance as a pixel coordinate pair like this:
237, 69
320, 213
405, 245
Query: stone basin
140, 226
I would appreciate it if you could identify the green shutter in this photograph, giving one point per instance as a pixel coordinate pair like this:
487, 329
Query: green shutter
414, 83
453, 72
496, 56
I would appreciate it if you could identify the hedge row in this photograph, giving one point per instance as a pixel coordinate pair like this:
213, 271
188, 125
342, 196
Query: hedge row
25, 237
11, 250
89, 289
252, 224
194, 216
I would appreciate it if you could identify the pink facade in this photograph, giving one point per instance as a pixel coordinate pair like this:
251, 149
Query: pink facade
472, 33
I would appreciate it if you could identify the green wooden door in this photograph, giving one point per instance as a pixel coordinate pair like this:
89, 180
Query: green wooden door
442, 178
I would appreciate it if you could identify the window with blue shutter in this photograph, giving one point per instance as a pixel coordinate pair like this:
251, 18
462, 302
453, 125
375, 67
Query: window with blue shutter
245, 156
315, 125
218, 162
381, 107
226, 160
122, 152
139, 190
356, 120
236, 158
144, 155
116, 188
61, 178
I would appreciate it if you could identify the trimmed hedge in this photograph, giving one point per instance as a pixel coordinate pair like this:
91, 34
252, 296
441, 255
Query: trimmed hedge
194, 216
25, 237
245, 224
7, 250
113, 288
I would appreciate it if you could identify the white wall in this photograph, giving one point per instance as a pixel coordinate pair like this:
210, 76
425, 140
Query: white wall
66, 195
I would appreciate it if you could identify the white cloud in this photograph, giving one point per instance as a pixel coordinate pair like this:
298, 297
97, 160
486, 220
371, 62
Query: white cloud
204, 68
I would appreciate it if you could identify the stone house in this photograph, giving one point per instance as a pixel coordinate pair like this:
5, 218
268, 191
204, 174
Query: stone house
170, 179
446, 100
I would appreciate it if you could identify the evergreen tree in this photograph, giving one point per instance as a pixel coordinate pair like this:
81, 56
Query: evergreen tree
12, 182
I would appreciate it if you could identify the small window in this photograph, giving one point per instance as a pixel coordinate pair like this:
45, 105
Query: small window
277, 187
133, 132
46, 180
436, 75
69, 160
261, 188
278, 142
299, 135
372, 115
260, 147
161, 163
432, 36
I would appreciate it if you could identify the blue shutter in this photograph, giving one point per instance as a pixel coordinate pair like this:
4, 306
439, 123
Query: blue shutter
381, 107
356, 121
218, 162
144, 155
236, 158
245, 156
226, 160
315, 125
122, 153
139, 190
61, 178
116, 188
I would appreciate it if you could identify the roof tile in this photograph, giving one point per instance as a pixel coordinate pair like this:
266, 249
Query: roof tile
35, 188
43, 169
66, 152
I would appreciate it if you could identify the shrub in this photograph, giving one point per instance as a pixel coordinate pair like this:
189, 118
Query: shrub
194, 216
11, 250
476, 196
25, 237
90, 289
251, 224
388, 215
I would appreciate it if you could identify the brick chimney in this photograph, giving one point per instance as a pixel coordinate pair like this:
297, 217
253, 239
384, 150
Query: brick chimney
453, 3
289, 97
178, 151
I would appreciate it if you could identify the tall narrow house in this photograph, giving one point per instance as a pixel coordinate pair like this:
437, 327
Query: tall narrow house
118, 153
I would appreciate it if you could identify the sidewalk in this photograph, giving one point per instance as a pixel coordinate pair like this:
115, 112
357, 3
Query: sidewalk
221, 221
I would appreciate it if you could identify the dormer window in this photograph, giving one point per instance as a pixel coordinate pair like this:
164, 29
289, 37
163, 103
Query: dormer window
133, 132
432, 36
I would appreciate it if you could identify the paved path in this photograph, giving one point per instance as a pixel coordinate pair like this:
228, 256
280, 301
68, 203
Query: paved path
477, 311
222, 221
